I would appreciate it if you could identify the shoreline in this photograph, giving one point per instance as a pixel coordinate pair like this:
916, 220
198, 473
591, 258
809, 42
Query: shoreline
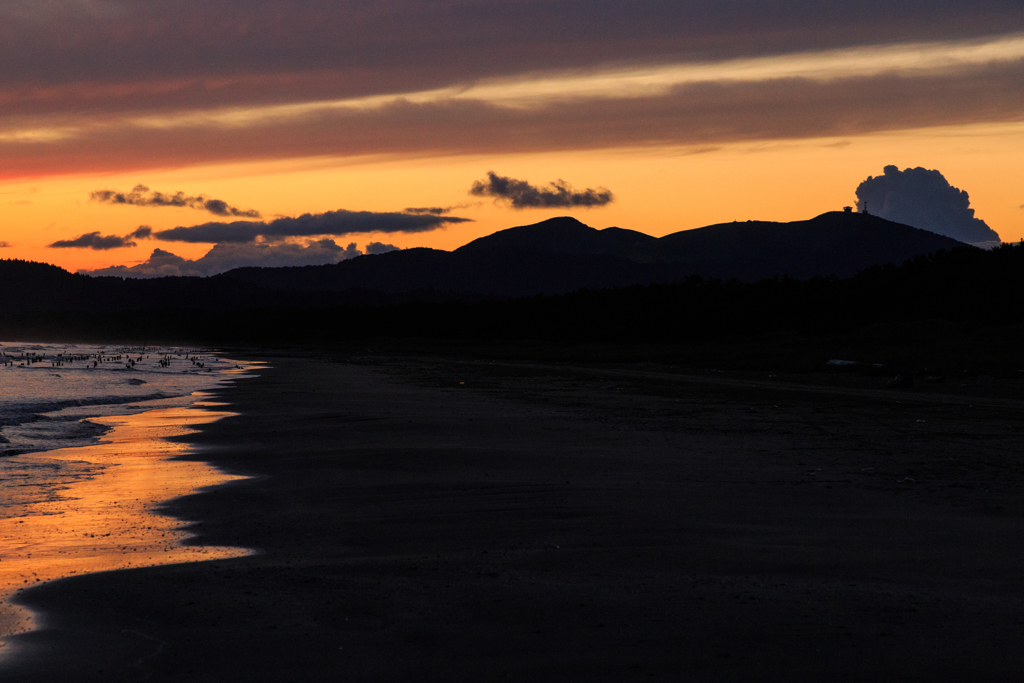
55, 401
107, 520
421, 518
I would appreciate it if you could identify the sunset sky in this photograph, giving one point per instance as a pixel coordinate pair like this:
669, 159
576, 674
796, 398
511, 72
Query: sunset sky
688, 112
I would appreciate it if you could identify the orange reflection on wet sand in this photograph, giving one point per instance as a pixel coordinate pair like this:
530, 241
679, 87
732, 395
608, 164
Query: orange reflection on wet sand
108, 521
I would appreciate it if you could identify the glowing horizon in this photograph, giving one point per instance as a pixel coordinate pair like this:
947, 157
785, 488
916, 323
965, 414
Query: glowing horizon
721, 117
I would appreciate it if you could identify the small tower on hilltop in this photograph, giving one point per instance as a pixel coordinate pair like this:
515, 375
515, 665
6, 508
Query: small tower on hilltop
865, 209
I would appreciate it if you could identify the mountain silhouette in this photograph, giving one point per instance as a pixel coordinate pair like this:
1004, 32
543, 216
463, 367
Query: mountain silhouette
563, 235
609, 286
562, 255
834, 243
555, 256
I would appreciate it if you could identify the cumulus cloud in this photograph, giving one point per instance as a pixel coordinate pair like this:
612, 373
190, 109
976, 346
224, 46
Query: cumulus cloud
224, 257
94, 240
334, 223
141, 195
380, 248
160, 264
520, 194
924, 199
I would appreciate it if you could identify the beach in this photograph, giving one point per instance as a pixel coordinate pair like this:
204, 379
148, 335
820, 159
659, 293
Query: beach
105, 519
438, 518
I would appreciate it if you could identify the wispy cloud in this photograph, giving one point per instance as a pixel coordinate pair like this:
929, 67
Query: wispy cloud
5, 245
140, 195
700, 115
438, 210
428, 210
124, 86
537, 90
520, 194
188, 55
333, 223
95, 241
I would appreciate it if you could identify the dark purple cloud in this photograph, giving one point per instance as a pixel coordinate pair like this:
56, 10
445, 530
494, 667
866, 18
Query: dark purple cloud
119, 55
438, 210
428, 210
143, 232
94, 240
141, 195
98, 242
335, 223
520, 194
380, 248
700, 114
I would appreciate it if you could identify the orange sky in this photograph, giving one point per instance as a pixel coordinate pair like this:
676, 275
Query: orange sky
657, 191
686, 118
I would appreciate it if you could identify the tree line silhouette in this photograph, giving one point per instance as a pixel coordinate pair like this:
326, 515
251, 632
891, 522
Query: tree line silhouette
949, 308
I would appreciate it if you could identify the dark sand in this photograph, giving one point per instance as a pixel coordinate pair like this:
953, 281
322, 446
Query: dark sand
556, 523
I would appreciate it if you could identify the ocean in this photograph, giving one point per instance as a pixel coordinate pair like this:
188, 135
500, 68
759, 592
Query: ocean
84, 461
48, 392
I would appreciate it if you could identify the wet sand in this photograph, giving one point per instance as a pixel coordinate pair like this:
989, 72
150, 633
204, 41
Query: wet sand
423, 519
106, 520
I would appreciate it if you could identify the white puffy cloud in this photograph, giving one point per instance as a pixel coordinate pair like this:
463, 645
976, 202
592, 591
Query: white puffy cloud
224, 257
924, 199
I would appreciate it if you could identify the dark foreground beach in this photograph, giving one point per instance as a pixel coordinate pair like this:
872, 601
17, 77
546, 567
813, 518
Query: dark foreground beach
425, 519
